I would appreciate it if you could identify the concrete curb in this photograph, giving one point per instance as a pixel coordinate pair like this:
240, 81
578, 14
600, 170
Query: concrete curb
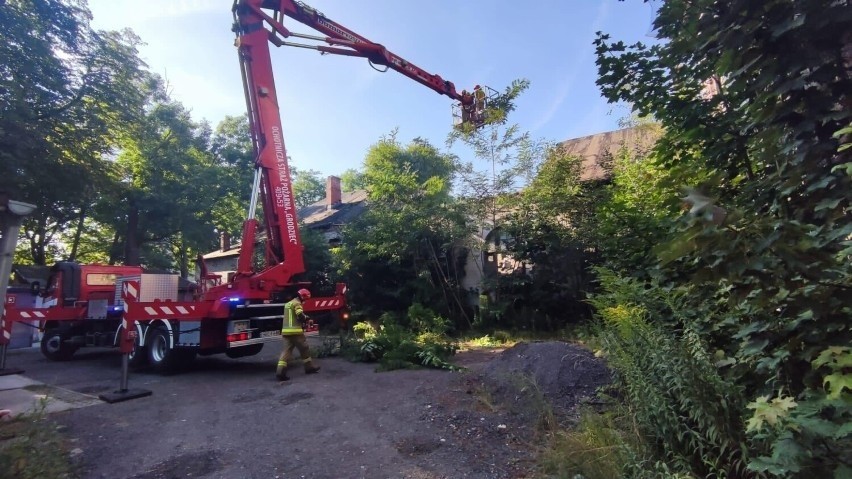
22, 395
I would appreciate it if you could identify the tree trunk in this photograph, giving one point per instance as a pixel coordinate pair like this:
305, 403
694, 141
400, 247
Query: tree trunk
183, 260
131, 245
114, 247
76, 243
37, 246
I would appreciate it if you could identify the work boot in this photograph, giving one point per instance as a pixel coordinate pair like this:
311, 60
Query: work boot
311, 369
282, 377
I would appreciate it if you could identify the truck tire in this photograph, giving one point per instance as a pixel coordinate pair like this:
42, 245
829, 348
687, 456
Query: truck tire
162, 357
244, 351
54, 347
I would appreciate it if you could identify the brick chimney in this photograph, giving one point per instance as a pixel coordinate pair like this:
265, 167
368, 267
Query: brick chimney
224, 241
332, 192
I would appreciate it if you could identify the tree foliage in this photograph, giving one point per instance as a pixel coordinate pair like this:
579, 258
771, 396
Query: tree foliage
491, 191
308, 186
351, 180
66, 90
405, 248
754, 101
169, 186
233, 154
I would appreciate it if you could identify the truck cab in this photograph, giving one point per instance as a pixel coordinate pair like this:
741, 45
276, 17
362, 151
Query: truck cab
88, 293
73, 284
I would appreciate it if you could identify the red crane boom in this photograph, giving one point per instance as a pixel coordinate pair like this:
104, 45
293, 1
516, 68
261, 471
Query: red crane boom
258, 23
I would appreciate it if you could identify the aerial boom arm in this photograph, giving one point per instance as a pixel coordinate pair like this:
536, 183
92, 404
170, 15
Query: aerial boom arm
272, 185
257, 23
352, 44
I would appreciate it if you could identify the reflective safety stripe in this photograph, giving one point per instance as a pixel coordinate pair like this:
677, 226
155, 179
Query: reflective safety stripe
282, 363
292, 310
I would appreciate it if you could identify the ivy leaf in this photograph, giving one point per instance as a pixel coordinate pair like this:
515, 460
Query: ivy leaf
836, 383
843, 431
755, 347
835, 357
769, 412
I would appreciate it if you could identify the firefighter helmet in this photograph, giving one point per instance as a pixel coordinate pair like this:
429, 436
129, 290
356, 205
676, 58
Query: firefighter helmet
304, 294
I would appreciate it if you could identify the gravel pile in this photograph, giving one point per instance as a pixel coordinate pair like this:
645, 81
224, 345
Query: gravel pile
562, 374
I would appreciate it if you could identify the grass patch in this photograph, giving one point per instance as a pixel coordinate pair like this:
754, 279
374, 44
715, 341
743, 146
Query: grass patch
532, 403
595, 449
496, 339
31, 447
576, 333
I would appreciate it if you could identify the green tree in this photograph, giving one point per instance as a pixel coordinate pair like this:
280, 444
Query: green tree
762, 260
308, 186
170, 183
490, 194
234, 159
405, 248
65, 90
352, 180
512, 159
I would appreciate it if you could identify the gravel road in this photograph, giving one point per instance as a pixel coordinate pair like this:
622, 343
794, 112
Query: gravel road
226, 418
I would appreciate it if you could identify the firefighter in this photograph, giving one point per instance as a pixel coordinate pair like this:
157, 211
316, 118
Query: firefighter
465, 109
479, 97
294, 337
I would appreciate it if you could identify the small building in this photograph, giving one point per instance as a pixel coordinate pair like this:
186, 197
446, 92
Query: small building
327, 216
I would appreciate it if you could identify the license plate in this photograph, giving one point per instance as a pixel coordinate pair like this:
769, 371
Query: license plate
270, 334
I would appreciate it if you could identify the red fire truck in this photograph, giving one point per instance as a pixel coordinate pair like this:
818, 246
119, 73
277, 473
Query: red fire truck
102, 305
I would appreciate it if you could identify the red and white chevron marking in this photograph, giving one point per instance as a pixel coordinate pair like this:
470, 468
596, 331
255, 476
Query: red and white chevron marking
327, 303
6, 333
130, 290
162, 311
32, 314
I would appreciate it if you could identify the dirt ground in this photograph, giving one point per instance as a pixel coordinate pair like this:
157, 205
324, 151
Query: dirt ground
224, 418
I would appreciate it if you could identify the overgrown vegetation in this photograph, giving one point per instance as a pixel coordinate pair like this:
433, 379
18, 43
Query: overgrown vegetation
417, 339
718, 264
730, 336
407, 248
32, 448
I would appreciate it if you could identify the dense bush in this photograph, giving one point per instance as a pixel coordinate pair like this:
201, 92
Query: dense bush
421, 342
745, 301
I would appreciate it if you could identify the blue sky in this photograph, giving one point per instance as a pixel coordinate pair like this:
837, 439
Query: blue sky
333, 108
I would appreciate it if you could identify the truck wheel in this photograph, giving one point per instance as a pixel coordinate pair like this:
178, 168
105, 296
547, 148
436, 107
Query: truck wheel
244, 351
54, 347
161, 356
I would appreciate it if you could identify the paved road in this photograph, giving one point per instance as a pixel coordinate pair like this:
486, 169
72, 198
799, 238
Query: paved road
226, 418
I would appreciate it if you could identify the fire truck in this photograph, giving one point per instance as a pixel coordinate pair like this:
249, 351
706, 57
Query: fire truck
143, 313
